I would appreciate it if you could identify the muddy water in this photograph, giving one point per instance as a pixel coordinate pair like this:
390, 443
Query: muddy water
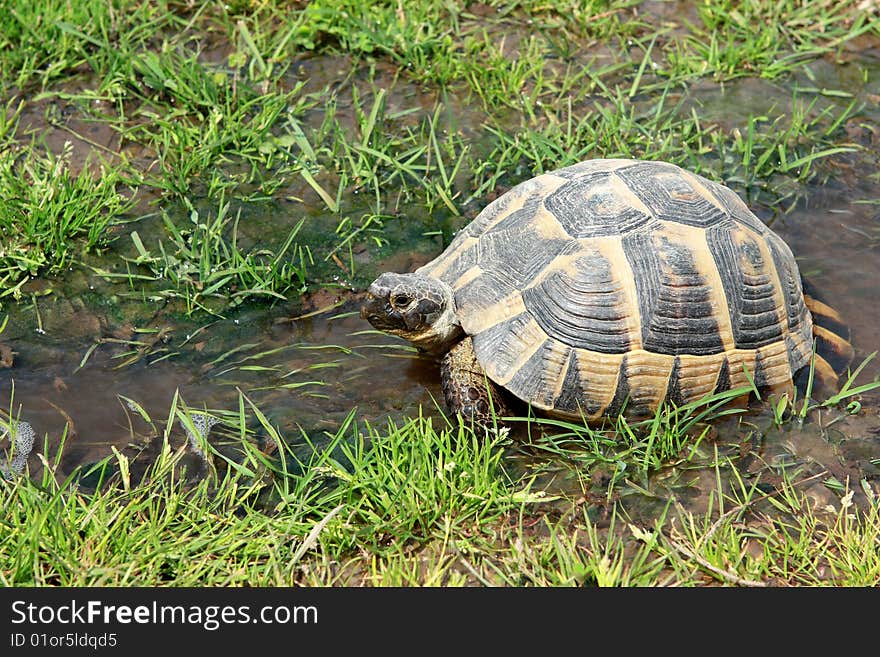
306, 369
78, 357
305, 374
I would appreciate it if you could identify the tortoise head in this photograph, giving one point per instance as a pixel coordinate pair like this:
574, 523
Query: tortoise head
416, 307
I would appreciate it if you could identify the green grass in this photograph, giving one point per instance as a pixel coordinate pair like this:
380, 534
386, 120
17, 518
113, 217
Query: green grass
774, 152
198, 161
762, 38
202, 265
406, 504
46, 209
45, 41
198, 118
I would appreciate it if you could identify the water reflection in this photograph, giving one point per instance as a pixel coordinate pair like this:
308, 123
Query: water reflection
89, 377
305, 375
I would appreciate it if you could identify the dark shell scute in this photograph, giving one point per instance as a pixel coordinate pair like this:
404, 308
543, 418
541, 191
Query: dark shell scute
760, 371
502, 345
674, 298
489, 216
797, 357
621, 393
536, 379
722, 382
735, 207
462, 261
588, 206
790, 281
483, 292
515, 251
572, 399
749, 287
669, 194
569, 399
582, 305
674, 393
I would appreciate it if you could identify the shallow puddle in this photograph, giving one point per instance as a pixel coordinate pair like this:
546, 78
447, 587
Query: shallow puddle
84, 357
305, 375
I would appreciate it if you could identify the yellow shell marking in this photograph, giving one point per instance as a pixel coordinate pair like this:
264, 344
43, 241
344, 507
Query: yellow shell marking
525, 344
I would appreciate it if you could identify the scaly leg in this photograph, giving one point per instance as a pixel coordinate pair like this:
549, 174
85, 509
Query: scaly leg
467, 389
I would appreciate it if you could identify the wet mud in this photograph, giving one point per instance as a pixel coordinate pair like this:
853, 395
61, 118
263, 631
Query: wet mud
76, 363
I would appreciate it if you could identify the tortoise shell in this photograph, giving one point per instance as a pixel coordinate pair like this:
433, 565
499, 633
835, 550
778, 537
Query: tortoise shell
623, 281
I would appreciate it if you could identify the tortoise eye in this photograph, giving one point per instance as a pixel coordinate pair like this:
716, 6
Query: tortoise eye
401, 300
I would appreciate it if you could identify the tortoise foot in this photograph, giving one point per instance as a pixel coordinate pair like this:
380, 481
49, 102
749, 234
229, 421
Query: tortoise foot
467, 390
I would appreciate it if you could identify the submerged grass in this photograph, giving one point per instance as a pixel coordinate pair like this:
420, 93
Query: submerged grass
45, 209
407, 504
356, 123
204, 264
212, 102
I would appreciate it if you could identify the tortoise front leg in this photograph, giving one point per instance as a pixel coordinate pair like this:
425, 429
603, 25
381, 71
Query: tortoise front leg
466, 388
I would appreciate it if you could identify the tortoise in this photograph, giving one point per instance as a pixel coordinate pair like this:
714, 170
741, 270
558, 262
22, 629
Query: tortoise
607, 286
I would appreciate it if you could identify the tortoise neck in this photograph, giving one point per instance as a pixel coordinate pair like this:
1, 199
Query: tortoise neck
442, 334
